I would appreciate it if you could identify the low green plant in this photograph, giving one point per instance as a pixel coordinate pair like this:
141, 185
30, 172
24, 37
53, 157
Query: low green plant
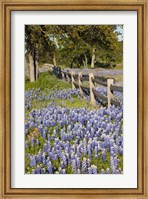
47, 81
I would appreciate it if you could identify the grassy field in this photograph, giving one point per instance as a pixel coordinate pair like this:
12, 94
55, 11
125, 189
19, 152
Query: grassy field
41, 110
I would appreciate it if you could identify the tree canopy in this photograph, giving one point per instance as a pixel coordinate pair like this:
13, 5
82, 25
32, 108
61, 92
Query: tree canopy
72, 45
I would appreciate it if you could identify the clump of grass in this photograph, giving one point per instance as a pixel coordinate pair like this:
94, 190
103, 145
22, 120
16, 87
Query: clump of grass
75, 102
47, 81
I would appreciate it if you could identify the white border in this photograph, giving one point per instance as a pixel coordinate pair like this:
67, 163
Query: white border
18, 178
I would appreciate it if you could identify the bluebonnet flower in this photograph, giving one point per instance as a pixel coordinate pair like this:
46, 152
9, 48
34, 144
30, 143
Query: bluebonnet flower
102, 171
74, 167
113, 164
37, 142
61, 164
84, 166
45, 147
67, 135
43, 170
31, 125
107, 171
38, 169
49, 167
78, 162
39, 156
33, 171
88, 162
63, 171
26, 144
94, 169
104, 154
32, 161
89, 150
32, 141
64, 159
44, 158
44, 134
26, 131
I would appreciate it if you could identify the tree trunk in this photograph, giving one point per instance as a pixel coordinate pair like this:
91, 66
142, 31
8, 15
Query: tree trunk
54, 60
71, 64
34, 59
93, 58
31, 60
84, 63
26, 67
85, 60
36, 64
37, 69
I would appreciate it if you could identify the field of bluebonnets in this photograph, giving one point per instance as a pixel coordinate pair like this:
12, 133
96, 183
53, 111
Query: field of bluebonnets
65, 135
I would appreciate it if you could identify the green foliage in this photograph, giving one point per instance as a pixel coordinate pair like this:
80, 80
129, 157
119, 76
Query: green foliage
120, 165
55, 164
72, 45
35, 38
47, 81
69, 169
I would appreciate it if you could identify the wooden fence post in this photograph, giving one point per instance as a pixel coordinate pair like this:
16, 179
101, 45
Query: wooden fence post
109, 92
55, 71
73, 80
63, 76
80, 83
67, 77
91, 86
60, 73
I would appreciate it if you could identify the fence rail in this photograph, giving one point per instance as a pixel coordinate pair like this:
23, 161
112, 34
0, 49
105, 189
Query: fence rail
76, 85
101, 97
116, 88
85, 78
77, 82
99, 82
85, 88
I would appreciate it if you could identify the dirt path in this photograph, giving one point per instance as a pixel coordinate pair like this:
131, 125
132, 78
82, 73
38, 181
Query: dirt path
95, 71
116, 74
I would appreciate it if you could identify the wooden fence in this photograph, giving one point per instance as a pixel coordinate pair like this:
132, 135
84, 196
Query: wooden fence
77, 82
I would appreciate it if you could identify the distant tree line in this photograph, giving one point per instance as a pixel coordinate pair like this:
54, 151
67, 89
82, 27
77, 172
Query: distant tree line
71, 45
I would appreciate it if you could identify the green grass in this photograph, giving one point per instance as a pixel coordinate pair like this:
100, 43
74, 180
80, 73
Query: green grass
120, 165
74, 103
47, 81
118, 78
117, 67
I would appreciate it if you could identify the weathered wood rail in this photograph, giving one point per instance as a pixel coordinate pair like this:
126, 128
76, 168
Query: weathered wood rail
77, 82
